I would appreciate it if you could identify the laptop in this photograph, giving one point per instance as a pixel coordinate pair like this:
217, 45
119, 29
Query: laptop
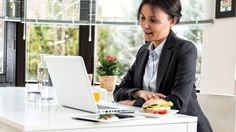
73, 88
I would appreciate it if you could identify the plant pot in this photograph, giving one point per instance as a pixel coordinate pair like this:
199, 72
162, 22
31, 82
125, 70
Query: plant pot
108, 82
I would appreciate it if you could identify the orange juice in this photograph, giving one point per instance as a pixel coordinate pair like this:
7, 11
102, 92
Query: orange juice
97, 96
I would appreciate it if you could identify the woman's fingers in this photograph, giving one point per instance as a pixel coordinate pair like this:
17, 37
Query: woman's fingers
154, 95
145, 98
149, 95
161, 95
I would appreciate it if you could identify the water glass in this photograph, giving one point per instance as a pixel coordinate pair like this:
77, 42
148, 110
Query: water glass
44, 81
33, 93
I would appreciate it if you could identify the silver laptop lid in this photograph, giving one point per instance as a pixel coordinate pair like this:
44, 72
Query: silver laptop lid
71, 83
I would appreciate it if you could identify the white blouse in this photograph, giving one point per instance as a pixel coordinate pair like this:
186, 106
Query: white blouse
151, 69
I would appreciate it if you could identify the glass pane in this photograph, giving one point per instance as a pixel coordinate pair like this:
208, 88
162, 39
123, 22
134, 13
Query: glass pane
124, 41
197, 10
45, 39
1, 7
13, 8
117, 10
1, 45
120, 41
126, 10
192, 33
53, 9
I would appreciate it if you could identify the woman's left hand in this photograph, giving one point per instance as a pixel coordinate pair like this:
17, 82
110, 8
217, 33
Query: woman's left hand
127, 102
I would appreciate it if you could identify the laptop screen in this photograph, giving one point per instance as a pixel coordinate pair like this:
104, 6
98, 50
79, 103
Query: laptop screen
71, 83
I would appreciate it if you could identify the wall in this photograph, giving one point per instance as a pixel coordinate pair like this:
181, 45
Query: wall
219, 57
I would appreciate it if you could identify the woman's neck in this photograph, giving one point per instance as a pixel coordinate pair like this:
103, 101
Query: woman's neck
156, 43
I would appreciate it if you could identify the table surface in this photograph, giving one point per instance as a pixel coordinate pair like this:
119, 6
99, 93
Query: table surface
23, 115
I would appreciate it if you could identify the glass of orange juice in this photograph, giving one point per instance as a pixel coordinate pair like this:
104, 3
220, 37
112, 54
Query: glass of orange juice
97, 96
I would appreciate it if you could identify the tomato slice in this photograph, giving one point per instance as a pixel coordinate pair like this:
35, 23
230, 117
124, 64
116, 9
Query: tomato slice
160, 112
155, 112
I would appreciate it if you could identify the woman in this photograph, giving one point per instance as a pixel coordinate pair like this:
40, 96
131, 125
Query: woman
165, 64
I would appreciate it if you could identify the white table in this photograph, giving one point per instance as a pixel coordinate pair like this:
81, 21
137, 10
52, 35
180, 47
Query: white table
19, 115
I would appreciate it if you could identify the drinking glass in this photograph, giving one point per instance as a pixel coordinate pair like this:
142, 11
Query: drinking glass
44, 80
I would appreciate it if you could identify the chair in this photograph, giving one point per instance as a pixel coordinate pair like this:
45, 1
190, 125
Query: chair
220, 111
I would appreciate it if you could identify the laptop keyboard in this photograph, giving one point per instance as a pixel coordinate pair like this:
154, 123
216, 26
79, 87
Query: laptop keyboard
105, 107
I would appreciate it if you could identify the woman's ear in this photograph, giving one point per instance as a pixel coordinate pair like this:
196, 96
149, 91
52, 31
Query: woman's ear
173, 21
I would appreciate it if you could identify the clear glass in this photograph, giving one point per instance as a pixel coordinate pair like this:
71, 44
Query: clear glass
43, 79
193, 33
1, 8
197, 10
124, 42
53, 9
45, 39
33, 92
13, 8
1, 45
126, 10
42, 72
117, 10
120, 41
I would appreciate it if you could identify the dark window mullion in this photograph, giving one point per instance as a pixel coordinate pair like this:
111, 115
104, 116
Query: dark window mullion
20, 55
86, 47
20, 50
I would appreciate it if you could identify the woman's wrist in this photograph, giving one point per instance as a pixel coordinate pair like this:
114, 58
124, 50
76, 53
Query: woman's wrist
137, 93
138, 102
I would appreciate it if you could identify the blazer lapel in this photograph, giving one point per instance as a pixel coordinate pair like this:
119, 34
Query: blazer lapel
142, 60
164, 59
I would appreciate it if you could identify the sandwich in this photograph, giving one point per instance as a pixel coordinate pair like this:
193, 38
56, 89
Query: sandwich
157, 106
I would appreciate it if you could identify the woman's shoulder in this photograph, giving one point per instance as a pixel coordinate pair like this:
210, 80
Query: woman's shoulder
144, 47
183, 47
178, 42
184, 44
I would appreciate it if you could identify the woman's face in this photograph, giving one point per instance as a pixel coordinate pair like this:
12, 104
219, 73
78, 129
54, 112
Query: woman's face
156, 24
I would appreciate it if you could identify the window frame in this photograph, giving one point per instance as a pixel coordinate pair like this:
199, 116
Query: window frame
3, 48
86, 47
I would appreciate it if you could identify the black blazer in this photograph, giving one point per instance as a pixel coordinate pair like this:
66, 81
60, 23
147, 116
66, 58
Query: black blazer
175, 79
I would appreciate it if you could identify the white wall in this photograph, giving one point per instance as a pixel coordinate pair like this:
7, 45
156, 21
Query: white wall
219, 57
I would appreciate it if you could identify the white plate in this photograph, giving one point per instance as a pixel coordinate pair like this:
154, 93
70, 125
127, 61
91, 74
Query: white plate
140, 112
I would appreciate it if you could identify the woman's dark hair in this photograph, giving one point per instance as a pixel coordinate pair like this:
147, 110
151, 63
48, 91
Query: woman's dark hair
171, 7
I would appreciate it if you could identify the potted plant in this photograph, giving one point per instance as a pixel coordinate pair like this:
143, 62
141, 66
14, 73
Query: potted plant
108, 68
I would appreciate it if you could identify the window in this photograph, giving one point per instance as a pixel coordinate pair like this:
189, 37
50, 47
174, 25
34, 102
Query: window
117, 35
117, 10
13, 10
192, 33
197, 11
45, 39
53, 9
122, 37
123, 42
56, 38
1, 45
1, 8
114, 20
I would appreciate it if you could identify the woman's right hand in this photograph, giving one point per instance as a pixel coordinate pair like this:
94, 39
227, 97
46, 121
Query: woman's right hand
148, 95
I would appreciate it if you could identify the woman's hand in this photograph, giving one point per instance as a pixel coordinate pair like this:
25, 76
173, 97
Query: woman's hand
148, 95
127, 102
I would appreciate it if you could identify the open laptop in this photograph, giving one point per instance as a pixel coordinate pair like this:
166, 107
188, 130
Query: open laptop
72, 85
